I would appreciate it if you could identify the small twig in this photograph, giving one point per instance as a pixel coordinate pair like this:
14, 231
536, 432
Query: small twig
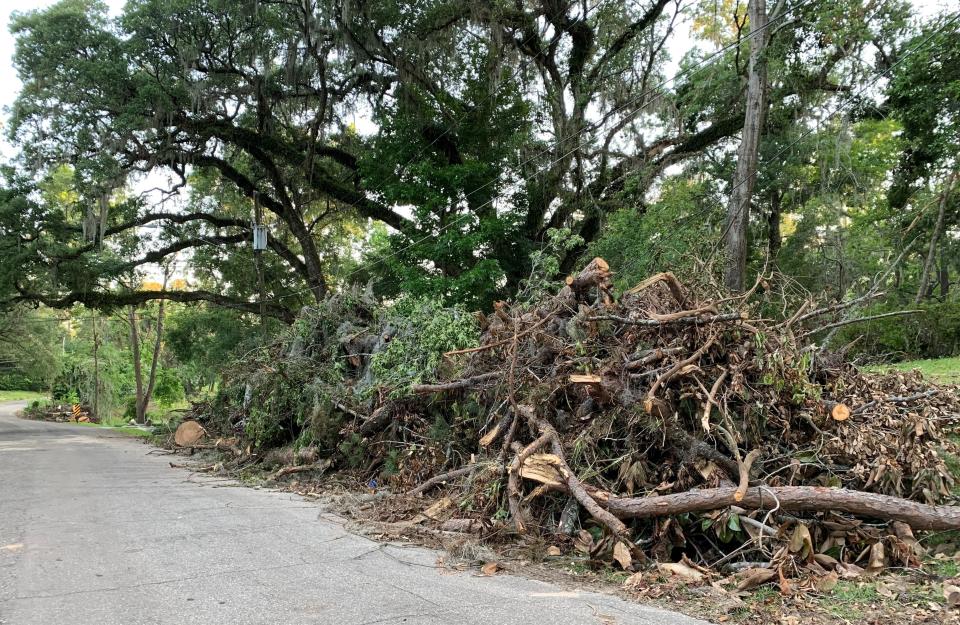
705, 419
666, 377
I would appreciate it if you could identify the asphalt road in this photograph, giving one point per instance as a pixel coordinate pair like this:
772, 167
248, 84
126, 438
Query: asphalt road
94, 531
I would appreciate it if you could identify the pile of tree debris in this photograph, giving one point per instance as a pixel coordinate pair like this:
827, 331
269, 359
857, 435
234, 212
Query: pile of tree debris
60, 413
658, 424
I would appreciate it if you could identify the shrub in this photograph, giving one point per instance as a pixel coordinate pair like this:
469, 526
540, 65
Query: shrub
933, 333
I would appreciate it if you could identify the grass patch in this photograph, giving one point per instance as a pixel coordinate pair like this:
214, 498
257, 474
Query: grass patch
849, 599
22, 395
942, 370
126, 430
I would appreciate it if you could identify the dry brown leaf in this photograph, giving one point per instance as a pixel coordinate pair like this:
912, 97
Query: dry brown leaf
489, 569
877, 558
827, 562
436, 511
553, 551
886, 590
801, 542
621, 553
583, 542
849, 571
785, 588
635, 581
681, 570
756, 577
952, 595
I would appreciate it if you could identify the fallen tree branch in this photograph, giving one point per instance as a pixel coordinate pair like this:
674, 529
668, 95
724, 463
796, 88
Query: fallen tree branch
676, 289
513, 479
703, 320
819, 312
573, 484
711, 400
377, 420
840, 324
793, 499
698, 312
648, 404
896, 400
449, 475
426, 389
300, 468
651, 356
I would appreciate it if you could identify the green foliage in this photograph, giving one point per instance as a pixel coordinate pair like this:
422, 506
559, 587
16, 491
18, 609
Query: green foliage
925, 97
30, 351
934, 333
421, 331
664, 236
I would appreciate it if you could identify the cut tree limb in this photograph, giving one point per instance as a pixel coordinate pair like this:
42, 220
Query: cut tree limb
792, 499
676, 289
426, 389
449, 475
595, 274
846, 322
573, 484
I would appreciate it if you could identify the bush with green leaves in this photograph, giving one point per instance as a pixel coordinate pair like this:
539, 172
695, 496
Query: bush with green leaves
932, 333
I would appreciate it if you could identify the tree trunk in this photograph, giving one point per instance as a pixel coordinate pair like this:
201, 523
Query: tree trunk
944, 275
792, 499
738, 209
153, 361
140, 413
922, 288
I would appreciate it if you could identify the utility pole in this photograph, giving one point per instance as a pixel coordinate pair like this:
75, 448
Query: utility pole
259, 244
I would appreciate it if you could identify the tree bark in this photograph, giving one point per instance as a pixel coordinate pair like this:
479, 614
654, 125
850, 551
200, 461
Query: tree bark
738, 209
792, 499
153, 362
944, 275
922, 288
137, 367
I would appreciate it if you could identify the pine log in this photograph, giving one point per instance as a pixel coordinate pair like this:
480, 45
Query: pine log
596, 273
792, 499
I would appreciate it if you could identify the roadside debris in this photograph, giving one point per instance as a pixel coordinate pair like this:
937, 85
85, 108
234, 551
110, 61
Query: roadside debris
668, 424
